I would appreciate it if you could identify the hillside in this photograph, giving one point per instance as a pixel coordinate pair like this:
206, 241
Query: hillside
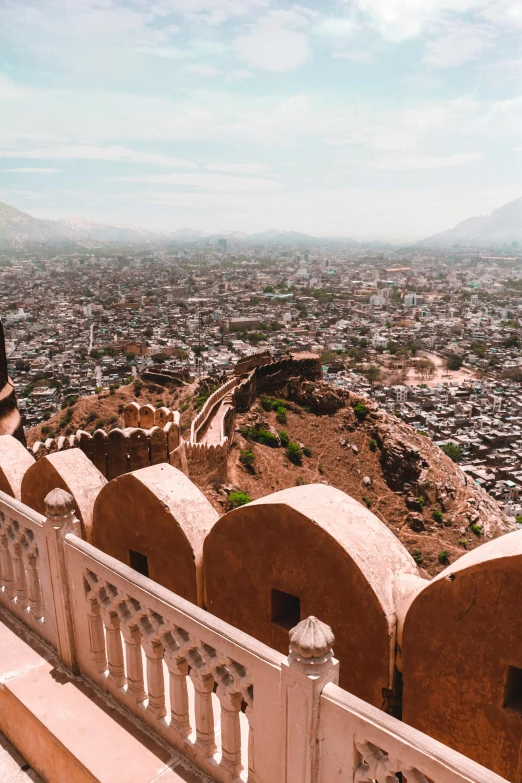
18, 228
381, 462
502, 227
399, 474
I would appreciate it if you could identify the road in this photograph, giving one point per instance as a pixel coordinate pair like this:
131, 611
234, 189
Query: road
91, 338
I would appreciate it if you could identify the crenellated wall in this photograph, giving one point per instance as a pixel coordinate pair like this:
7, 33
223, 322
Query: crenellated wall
149, 437
201, 421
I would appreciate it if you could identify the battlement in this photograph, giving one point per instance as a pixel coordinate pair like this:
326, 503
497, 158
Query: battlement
224, 704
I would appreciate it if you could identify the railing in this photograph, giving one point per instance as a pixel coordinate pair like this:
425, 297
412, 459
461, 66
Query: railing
237, 709
163, 658
360, 743
25, 587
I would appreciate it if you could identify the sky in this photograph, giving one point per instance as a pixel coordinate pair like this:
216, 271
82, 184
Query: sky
371, 119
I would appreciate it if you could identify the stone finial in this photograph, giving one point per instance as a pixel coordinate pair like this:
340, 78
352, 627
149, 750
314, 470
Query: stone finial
59, 503
311, 641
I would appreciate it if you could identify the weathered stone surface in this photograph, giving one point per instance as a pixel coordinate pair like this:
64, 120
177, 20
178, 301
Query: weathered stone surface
324, 549
15, 460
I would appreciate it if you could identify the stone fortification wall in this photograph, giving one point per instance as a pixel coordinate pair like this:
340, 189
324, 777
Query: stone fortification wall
256, 360
201, 421
149, 437
270, 378
10, 421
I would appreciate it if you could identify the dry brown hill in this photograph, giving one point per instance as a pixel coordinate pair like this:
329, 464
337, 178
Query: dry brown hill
402, 476
399, 474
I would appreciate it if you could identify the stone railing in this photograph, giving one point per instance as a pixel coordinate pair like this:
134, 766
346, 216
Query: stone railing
203, 417
238, 710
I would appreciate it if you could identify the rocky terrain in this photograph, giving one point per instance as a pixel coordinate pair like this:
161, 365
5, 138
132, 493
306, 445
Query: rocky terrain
502, 227
404, 478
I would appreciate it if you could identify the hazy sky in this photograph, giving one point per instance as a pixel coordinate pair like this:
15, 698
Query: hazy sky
386, 119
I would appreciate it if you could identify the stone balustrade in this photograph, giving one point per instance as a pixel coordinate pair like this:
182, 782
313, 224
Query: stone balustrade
238, 710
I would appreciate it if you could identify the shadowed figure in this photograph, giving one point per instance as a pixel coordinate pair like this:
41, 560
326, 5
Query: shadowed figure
3, 359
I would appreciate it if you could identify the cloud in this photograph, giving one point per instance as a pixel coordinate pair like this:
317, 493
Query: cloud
209, 182
32, 171
271, 44
424, 162
458, 44
401, 19
362, 57
201, 69
238, 168
338, 26
90, 152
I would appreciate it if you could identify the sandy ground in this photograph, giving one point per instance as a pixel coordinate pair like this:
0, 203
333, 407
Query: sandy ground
442, 374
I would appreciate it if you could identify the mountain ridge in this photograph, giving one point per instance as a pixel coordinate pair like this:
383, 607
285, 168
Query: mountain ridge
502, 227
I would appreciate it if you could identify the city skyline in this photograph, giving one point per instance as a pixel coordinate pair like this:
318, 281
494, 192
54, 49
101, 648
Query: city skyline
370, 119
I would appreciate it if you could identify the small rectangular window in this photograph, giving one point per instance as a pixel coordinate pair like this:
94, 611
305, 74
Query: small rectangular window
286, 609
139, 562
513, 692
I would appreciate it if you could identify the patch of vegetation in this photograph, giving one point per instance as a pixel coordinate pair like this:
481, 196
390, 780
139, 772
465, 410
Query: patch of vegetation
452, 451
307, 451
417, 556
476, 529
437, 515
367, 501
260, 436
281, 415
238, 498
421, 502
444, 557
284, 438
247, 458
360, 410
454, 362
373, 445
464, 542
99, 424
294, 453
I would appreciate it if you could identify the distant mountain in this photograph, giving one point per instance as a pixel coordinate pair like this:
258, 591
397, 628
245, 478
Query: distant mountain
502, 227
19, 229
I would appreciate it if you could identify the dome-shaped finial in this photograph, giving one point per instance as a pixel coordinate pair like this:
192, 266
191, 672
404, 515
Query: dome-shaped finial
311, 641
59, 503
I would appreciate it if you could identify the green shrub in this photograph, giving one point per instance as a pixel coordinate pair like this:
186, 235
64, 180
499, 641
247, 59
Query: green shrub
260, 436
421, 502
453, 451
300, 482
320, 469
444, 557
437, 515
247, 458
476, 529
184, 406
294, 453
99, 424
45, 430
91, 417
464, 542
281, 415
113, 420
266, 403
417, 556
47, 416
238, 498
360, 410
373, 445
284, 437
307, 451
98, 389
518, 519
367, 501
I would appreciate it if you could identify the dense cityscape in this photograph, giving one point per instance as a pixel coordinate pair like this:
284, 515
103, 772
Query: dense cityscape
432, 336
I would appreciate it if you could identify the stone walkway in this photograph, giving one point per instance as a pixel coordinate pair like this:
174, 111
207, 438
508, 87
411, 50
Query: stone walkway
13, 768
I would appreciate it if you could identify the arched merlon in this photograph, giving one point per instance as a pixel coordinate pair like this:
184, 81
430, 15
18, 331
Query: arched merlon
317, 551
160, 514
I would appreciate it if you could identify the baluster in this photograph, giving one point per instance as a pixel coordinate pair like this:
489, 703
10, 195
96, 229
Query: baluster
97, 636
135, 683
19, 575
33, 586
203, 686
179, 705
251, 770
114, 649
230, 732
155, 681
7, 566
